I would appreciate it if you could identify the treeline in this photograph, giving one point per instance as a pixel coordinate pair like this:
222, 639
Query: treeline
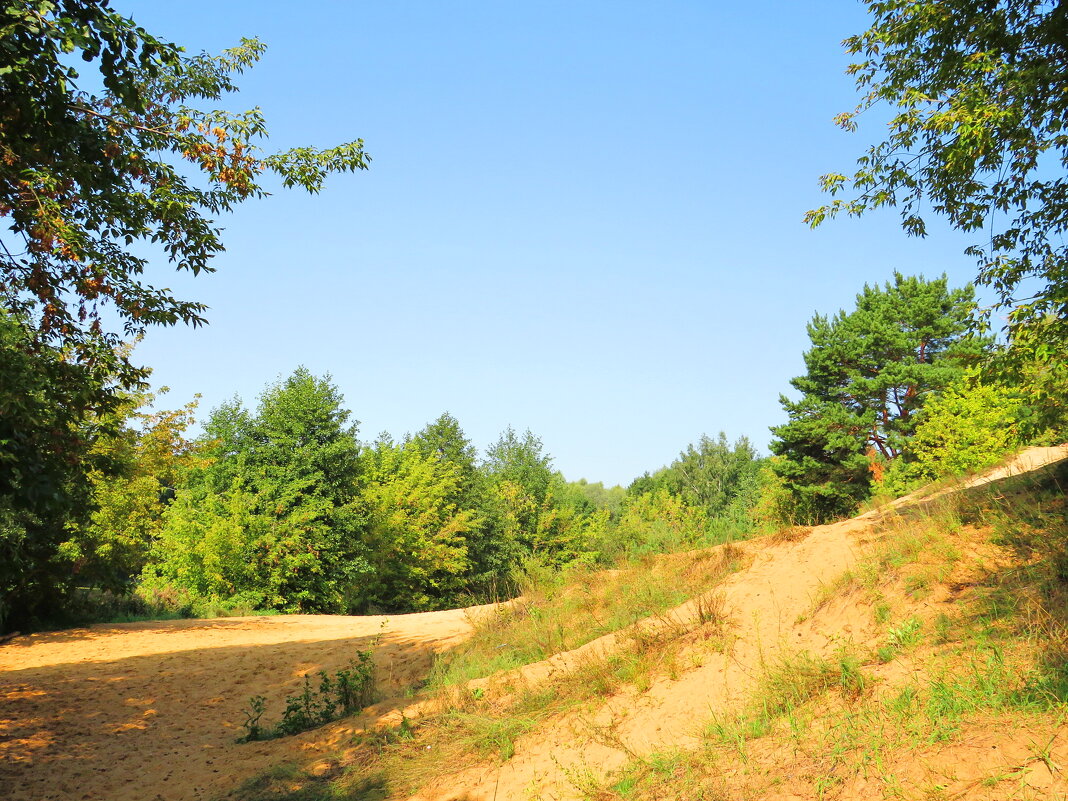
282, 507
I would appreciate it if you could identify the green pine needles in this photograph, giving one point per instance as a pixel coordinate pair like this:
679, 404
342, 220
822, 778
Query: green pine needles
869, 373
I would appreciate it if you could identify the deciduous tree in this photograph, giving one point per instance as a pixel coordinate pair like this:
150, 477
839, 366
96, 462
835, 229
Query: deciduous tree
274, 518
113, 158
47, 429
715, 474
137, 154
978, 134
415, 534
967, 426
135, 471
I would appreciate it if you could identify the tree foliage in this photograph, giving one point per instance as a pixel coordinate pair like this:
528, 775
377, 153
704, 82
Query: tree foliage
47, 431
135, 471
589, 497
274, 518
716, 475
519, 479
979, 135
721, 479
113, 157
657, 522
415, 535
521, 461
967, 426
1041, 385
445, 441
91, 165
869, 372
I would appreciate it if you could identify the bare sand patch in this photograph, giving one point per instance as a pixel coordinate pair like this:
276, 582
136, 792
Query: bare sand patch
152, 711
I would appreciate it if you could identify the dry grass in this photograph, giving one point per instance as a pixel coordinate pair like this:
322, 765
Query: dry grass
789, 534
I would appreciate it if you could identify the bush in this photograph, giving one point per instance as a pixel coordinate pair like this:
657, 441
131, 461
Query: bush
966, 427
346, 692
657, 522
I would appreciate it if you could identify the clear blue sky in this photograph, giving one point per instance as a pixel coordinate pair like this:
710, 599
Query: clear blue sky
581, 218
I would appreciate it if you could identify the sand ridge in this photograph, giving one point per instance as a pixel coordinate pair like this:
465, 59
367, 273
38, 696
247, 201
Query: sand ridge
770, 604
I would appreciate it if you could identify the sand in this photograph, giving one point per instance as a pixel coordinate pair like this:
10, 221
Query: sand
151, 711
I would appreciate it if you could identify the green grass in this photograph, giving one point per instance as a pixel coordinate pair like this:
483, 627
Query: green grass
785, 688
563, 610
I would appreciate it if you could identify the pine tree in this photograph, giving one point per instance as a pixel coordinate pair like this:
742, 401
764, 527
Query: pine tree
869, 372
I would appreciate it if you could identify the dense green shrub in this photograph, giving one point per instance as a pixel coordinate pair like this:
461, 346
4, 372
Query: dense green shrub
966, 427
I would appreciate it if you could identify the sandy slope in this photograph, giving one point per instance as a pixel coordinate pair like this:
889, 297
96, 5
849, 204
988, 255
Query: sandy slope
151, 711
762, 603
769, 606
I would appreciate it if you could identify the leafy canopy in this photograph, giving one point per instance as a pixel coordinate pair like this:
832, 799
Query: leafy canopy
978, 135
273, 519
92, 165
967, 426
46, 431
415, 534
102, 175
137, 468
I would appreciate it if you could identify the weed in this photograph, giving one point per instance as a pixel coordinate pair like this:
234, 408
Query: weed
1044, 755
256, 706
901, 638
882, 612
919, 584
851, 679
825, 783
348, 690
710, 608
795, 679
943, 629
785, 687
841, 585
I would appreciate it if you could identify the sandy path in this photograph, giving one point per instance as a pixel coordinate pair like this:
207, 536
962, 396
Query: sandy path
150, 711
